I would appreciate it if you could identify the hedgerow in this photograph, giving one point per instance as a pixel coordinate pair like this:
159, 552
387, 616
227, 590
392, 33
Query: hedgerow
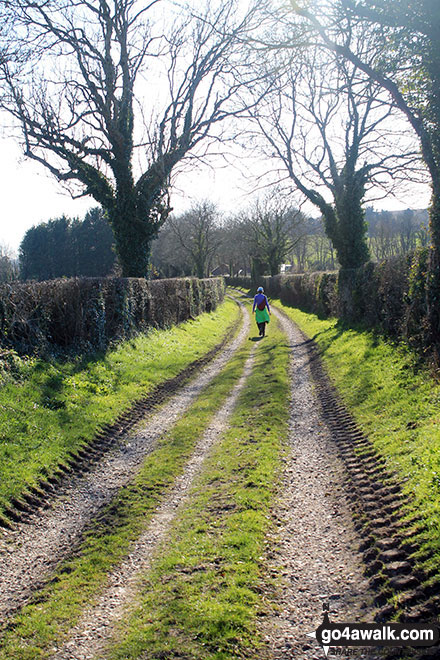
90, 313
392, 297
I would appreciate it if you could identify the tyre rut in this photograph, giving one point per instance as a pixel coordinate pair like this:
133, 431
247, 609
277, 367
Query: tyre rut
31, 551
377, 498
387, 536
88, 639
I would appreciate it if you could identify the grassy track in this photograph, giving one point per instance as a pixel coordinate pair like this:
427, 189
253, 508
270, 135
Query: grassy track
50, 409
201, 599
58, 607
396, 402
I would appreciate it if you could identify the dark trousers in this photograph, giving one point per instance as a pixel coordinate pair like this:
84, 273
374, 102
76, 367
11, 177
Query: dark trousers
262, 328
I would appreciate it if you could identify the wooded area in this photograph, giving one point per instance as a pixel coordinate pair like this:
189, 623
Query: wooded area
264, 239
339, 98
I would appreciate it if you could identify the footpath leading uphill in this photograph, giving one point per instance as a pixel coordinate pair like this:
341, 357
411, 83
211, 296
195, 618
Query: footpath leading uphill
216, 531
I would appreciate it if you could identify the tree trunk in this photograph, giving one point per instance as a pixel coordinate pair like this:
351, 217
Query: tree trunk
274, 268
133, 235
135, 217
133, 249
433, 275
200, 268
258, 269
351, 246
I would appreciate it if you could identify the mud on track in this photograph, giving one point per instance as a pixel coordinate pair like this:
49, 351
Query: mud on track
30, 552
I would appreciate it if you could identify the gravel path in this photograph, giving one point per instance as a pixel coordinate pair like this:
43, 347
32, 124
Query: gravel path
316, 549
88, 639
29, 554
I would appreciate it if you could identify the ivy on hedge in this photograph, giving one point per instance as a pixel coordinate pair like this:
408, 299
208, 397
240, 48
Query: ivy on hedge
392, 297
89, 313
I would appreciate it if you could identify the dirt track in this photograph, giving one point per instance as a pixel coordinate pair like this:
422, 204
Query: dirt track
324, 553
29, 553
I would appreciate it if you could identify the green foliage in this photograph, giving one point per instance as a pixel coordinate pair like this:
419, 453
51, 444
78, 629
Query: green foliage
88, 314
68, 248
416, 316
51, 408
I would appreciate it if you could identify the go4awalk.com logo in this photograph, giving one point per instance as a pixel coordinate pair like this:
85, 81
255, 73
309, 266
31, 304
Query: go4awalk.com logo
352, 635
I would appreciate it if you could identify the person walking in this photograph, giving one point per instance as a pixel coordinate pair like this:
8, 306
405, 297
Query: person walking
262, 311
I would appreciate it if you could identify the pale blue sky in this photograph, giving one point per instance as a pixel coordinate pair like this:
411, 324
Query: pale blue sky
29, 195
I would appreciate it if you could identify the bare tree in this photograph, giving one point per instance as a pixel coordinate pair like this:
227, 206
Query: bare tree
82, 81
407, 233
197, 232
234, 246
332, 128
299, 254
382, 234
272, 228
406, 63
408, 67
9, 269
168, 258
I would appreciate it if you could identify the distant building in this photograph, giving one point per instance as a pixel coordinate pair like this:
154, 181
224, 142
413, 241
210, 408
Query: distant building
285, 268
221, 270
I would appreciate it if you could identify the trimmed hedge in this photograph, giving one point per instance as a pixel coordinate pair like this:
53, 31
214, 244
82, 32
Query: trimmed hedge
391, 297
314, 292
89, 313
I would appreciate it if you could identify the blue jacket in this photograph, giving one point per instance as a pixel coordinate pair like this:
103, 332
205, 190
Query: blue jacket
259, 299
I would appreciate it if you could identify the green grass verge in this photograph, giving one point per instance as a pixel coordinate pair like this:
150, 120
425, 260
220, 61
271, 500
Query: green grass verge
48, 409
396, 403
201, 599
56, 608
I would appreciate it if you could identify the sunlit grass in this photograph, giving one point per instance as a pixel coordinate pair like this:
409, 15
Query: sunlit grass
56, 608
48, 409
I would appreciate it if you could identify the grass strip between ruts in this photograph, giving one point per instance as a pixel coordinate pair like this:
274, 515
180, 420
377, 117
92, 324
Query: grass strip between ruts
49, 409
201, 598
45, 622
395, 401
